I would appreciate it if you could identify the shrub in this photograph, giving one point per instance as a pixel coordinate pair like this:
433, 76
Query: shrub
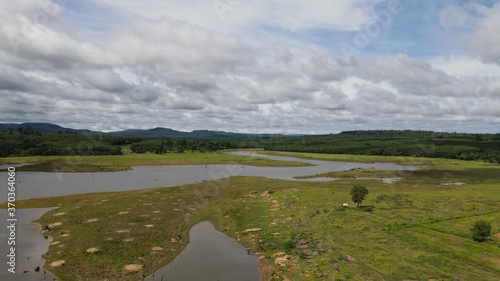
481, 230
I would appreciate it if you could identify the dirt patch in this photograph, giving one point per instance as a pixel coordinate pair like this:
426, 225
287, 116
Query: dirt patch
156, 248
65, 235
57, 263
306, 247
55, 243
149, 225
92, 250
58, 214
251, 230
133, 267
128, 239
55, 224
156, 212
92, 220
123, 231
496, 236
123, 213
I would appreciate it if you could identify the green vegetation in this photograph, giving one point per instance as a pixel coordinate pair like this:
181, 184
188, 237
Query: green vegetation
26, 142
358, 194
395, 143
127, 160
418, 228
486, 147
481, 230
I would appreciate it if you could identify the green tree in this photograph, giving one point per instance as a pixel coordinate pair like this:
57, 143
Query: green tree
358, 193
481, 230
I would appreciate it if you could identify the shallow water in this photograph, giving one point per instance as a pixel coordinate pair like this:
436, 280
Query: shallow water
210, 255
30, 246
44, 184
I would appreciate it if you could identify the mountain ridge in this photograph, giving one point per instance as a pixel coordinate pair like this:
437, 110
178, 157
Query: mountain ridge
158, 132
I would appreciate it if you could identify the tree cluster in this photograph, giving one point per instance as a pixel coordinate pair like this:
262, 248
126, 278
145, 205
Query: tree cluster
178, 145
396, 143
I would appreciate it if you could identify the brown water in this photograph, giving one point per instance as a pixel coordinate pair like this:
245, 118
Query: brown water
210, 255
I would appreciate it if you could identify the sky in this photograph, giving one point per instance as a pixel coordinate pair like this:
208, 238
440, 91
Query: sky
252, 66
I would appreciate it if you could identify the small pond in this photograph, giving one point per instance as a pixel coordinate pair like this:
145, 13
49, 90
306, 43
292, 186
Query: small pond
210, 255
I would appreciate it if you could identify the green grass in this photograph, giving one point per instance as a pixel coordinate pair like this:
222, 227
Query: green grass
128, 160
418, 229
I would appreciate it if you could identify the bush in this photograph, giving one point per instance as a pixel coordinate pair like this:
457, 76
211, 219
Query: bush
289, 246
481, 230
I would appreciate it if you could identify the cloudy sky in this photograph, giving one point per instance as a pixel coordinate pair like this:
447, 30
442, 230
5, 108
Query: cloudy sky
255, 66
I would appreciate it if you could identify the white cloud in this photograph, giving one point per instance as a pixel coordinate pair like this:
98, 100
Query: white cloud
232, 16
486, 39
177, 64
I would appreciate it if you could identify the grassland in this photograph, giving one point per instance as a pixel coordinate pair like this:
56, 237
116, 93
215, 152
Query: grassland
414, 229
127, 160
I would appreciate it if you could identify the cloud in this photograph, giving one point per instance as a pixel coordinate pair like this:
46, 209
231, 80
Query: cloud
486, 39
232, 16
178, 64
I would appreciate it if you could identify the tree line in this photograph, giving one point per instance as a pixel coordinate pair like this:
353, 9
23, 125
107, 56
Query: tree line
484, 147
25, 141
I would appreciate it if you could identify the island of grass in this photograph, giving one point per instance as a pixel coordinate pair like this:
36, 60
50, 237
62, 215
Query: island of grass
111, 163
416, 229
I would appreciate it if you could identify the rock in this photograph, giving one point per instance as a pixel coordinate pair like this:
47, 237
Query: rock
283, 261
306, 247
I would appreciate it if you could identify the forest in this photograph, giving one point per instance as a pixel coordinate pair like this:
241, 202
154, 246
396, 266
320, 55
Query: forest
486, 147
27, 142
461, 146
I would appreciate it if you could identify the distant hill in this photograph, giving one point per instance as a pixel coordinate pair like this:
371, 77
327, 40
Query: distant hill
44, 128
48, 128
197, 134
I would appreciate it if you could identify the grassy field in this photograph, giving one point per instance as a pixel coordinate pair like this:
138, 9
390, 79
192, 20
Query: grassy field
128, 160
414, 229
403, 160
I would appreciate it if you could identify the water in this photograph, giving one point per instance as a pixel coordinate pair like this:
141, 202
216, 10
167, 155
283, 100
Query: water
43, 184
210, 255
30, 246
209, 250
